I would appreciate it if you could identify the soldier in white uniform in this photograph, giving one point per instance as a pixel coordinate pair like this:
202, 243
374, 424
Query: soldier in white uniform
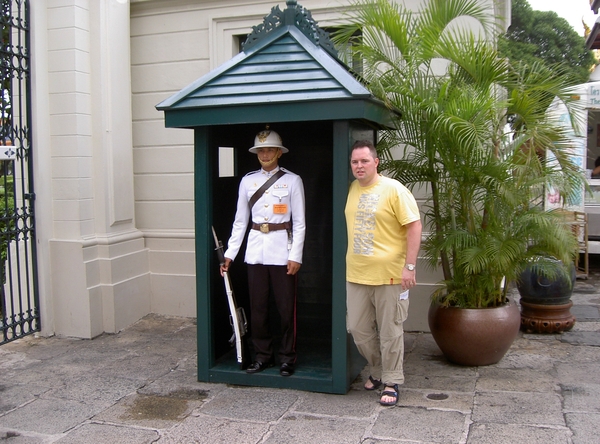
273, 251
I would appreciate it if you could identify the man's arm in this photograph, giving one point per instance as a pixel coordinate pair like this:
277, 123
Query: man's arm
413, 241
413, 244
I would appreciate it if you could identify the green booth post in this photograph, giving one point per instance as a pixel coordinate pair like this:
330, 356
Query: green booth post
289, 77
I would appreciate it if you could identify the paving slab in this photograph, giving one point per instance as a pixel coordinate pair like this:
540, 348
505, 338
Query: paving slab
206, 429
420, 425
537, 352
109, 434
584, 427
357, 404
493, 378
583, 398
302, 429
251, 404
156, 412
14, 395
48, 416
585, 313
586, 326
435, 365
540, 409
96, 389
517, 433
16, 438
441, 383
446, 400
578, 372
591, 338
181, 382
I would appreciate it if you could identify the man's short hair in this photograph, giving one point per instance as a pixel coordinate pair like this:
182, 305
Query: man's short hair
365, 144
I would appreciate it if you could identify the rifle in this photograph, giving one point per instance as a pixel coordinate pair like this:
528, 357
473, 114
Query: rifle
237, 316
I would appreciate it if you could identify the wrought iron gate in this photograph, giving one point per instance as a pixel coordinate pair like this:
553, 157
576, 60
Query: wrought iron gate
19, 300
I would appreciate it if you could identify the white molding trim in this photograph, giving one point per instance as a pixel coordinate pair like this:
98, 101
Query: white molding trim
169, 234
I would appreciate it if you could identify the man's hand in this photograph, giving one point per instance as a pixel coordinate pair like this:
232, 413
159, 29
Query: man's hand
409, 278
225, 267
293, 267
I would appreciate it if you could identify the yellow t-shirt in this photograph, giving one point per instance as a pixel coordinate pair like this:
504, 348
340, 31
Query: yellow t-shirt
376, 217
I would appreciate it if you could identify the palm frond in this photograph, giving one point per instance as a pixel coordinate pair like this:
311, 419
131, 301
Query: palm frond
478, 134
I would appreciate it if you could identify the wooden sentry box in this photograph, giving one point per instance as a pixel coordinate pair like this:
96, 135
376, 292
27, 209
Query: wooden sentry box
288, 76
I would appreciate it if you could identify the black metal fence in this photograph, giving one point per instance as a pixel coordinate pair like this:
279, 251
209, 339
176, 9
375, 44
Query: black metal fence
19, 299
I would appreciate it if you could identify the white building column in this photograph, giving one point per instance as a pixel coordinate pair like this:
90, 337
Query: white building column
99, 274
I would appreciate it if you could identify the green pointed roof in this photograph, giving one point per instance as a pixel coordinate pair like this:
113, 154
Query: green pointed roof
288, 71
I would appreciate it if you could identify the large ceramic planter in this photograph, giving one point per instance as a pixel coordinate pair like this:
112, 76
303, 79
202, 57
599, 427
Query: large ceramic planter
469, 336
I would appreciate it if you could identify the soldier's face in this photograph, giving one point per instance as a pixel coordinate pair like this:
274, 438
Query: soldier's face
267, 153
268, 156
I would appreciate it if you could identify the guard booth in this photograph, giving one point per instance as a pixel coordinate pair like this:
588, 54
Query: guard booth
289, 77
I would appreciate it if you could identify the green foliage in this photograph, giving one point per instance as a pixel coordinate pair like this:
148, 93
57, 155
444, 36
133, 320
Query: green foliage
7, 219
7, 223
476, 134
543, 36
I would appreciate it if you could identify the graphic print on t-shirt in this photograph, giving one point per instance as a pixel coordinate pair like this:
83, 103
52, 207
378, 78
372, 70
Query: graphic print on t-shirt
364, 224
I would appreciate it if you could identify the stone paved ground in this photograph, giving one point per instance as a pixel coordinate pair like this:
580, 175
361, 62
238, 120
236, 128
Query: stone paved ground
140, 386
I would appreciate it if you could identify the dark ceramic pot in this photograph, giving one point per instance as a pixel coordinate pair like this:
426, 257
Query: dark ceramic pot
537, 289
474, 336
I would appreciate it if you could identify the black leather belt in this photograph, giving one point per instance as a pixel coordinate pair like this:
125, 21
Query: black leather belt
265, 228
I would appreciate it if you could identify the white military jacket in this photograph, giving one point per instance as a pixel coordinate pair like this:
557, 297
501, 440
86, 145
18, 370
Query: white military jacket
282, 202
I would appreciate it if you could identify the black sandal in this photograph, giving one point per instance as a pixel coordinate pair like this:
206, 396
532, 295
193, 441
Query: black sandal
390, 393
376, 384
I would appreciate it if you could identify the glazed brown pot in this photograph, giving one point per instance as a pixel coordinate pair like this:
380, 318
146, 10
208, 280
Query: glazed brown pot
474, 336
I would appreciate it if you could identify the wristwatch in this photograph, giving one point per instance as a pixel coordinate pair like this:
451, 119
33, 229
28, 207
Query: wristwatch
409, 267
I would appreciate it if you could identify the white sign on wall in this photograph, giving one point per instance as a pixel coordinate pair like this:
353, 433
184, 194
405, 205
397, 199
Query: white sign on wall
7, 152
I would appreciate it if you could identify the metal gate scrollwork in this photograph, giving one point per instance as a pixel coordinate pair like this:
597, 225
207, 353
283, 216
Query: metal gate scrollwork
19, 299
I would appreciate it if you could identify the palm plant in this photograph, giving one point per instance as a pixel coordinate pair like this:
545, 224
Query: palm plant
478, 135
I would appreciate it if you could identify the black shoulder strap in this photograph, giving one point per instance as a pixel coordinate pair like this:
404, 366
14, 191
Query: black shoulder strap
264, 187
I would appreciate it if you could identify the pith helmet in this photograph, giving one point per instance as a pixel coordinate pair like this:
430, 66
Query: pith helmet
267, 139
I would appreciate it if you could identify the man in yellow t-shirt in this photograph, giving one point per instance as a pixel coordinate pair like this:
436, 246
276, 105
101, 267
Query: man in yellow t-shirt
384, 236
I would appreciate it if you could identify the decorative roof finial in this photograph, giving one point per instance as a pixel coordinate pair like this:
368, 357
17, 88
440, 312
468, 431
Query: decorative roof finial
294, 15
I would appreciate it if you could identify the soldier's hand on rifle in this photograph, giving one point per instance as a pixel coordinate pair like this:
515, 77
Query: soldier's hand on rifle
225, 267
293, 267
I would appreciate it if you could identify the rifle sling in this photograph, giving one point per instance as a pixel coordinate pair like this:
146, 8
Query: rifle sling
264, 187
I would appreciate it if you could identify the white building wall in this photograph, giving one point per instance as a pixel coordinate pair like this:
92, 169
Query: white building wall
173, 44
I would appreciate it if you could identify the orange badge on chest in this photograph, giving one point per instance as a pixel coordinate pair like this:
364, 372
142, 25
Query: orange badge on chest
279, 208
